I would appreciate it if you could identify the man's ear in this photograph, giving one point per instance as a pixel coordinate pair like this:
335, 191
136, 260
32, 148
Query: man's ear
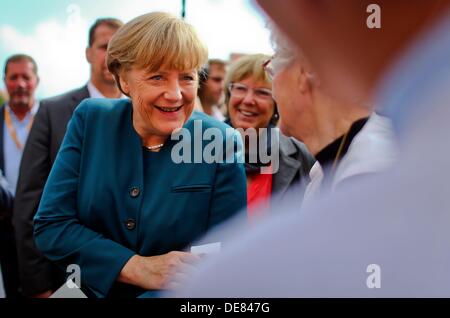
88, 54
303, 82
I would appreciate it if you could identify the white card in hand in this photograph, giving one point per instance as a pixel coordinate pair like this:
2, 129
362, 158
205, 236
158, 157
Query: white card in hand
210, 248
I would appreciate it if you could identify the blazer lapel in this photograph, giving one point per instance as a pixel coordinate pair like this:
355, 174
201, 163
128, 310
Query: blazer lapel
288, 168
78, 97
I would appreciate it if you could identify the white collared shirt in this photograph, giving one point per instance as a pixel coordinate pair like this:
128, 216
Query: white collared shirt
313, 187
95, 93
12, 154
215, 110
373, 150
216, 113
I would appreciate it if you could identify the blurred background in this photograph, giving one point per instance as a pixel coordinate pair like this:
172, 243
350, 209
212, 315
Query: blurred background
55, 32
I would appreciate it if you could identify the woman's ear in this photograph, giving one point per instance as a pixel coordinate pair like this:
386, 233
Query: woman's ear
124, 84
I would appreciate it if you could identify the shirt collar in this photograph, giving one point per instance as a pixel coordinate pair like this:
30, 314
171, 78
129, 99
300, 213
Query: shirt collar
95, 93
217, 114
328, 154
31, 112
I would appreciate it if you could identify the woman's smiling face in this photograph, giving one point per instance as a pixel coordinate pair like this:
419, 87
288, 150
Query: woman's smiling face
163, 100
251, 104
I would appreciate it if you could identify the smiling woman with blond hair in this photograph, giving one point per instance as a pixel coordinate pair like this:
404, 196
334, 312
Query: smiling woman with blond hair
116, 203
252, 107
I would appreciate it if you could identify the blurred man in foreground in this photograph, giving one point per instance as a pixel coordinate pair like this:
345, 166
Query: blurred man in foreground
381, 237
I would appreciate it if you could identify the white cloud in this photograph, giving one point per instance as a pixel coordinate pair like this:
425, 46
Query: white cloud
134, 8
58, 50
226, 27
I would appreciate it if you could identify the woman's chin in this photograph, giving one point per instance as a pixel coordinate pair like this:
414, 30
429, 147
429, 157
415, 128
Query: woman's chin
169, 130
245, 125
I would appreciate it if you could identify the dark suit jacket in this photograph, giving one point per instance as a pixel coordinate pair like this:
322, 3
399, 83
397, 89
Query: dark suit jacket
6, 201
2, 122
8, 257
36, 272
98, 209
5, 196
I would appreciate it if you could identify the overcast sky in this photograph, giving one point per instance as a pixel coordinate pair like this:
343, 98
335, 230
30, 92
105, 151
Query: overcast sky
54, 32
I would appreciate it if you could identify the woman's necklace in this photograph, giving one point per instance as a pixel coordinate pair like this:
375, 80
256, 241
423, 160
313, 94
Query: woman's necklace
154, 147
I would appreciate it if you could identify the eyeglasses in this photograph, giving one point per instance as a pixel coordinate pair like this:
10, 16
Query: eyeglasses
240, 91
268, 67
275, 64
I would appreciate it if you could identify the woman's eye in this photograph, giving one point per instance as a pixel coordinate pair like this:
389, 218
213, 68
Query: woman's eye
156, 78
188, 78
263, 93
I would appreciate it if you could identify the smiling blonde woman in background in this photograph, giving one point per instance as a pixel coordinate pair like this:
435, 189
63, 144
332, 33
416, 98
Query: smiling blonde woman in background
251, 106
115, 202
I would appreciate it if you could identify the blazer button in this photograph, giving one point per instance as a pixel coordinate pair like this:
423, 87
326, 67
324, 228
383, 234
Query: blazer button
130, 224
134, 192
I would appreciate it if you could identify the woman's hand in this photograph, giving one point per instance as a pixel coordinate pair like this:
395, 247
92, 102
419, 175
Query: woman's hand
157, 272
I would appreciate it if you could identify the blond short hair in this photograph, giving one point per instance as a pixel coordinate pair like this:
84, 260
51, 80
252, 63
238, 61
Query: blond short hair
155, 40
245, 67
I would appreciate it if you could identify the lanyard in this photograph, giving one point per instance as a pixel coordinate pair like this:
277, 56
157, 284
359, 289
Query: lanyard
339, 152
12, 130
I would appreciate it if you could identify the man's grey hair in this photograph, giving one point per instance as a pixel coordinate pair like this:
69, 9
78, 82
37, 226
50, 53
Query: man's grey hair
285, 51
282, 47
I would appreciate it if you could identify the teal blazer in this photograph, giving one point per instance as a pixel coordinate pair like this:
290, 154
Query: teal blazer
98, 208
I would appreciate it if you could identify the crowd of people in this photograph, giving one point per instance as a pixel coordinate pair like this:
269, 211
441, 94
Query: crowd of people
89, 177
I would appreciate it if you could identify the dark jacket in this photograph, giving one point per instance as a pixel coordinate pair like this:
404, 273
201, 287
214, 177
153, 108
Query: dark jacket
37, 274
6, 199
8, 254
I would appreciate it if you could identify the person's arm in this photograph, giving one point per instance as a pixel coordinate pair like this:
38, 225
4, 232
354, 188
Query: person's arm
58, 232
35, 269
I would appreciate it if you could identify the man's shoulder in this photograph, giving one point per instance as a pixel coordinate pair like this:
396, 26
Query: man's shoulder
103, 106
66, 99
